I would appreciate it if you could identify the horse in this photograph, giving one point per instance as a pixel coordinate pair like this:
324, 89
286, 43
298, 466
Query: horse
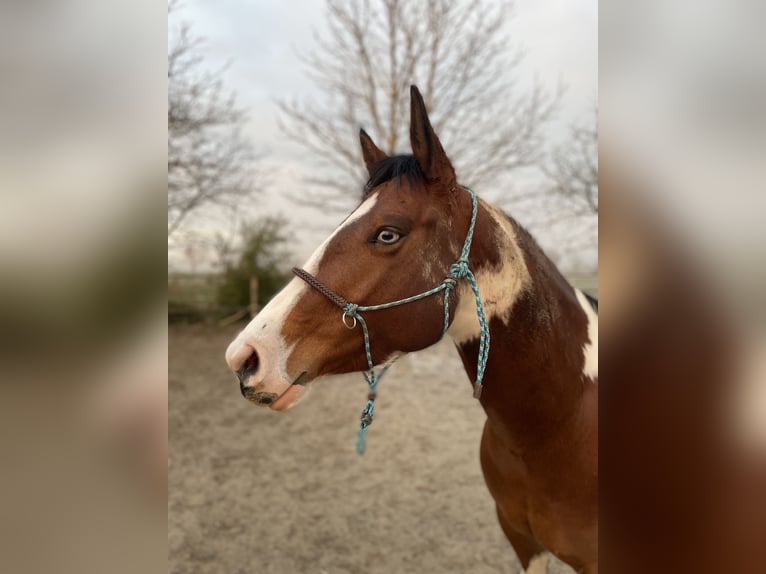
527, 339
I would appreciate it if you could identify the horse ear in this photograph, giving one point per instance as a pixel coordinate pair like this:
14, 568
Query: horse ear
371, 153
426, 147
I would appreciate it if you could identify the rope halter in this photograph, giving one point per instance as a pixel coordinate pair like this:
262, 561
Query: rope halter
352, 316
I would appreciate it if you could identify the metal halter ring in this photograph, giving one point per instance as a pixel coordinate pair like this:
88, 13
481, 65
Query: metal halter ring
352, 325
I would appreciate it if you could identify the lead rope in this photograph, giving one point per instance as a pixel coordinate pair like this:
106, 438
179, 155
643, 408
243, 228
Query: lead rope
352, 315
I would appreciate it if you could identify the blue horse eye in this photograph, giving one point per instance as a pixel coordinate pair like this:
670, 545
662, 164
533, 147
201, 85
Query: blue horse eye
388, 236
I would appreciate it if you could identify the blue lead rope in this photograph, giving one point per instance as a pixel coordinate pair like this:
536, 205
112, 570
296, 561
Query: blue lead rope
352, 315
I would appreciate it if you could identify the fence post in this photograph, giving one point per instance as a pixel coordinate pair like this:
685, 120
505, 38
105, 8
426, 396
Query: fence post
253, 296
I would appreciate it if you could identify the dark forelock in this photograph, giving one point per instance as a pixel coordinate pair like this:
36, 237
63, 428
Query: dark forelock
394, 167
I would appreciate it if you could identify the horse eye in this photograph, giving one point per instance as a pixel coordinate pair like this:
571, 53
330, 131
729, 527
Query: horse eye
388, 236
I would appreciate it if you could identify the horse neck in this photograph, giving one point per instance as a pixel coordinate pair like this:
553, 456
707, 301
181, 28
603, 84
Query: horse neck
534, 381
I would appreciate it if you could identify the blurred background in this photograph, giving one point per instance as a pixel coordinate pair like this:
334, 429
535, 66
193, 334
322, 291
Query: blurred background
682, 446
83, 334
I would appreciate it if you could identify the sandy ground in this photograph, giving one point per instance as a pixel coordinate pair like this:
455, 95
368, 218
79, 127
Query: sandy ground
254, 491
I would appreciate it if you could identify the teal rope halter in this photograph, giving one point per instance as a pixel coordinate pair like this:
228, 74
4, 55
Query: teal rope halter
352, 315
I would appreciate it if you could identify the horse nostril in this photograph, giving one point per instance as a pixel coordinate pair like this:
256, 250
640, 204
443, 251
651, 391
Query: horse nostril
248, 368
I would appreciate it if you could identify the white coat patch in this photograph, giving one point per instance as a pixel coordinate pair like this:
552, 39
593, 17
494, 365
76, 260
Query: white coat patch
539, 564
590, 349
499, 287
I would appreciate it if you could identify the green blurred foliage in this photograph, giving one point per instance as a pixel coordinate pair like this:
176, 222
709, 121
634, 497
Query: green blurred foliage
263, 254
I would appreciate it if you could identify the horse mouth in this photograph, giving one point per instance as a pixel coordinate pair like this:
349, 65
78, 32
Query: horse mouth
302, 379
265, 398
292, 395
276, 401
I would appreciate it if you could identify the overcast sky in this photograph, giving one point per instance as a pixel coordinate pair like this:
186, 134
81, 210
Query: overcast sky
261, 40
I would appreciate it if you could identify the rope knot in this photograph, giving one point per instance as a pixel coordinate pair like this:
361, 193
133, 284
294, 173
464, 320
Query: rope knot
350, 309
459, 269
367, 412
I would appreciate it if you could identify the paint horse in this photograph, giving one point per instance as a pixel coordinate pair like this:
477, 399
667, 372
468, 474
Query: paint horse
539, 389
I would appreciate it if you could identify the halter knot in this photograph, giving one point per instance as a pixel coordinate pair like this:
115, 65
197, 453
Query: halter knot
459, 269
350, 309
369, 408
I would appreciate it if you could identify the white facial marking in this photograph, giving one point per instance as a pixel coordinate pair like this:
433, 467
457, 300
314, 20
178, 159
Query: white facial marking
312, 265
499, 287
590, 349
267, 324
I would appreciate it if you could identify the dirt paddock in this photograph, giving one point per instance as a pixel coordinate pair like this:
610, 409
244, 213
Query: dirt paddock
254, 491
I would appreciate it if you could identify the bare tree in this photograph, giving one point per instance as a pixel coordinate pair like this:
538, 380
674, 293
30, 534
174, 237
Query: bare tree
573, 169
208, 160
458, 54
567, 199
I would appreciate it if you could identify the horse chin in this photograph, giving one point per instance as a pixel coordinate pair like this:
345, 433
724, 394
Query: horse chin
291, 397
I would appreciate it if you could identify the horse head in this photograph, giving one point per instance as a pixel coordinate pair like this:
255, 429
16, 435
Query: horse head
400, 240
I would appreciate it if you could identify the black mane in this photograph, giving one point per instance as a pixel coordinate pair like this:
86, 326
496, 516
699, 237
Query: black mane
394, 167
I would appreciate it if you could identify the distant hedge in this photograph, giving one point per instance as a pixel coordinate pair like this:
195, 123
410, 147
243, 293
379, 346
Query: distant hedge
263, 255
